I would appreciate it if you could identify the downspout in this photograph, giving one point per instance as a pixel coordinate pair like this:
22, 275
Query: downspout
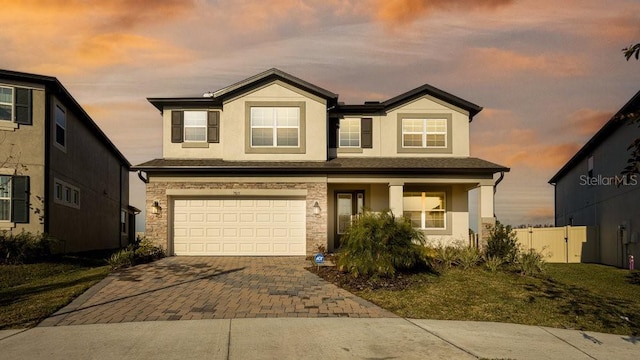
120, 209
495, 188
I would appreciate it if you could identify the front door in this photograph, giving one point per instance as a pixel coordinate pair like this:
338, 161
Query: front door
348, 204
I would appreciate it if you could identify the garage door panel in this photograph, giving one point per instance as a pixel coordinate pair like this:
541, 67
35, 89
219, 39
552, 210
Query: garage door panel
239, 227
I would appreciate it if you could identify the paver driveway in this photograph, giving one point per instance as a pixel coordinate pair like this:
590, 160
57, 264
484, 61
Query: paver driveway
186, 288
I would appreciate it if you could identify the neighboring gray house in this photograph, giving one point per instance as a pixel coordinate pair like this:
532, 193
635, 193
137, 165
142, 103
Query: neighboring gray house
590, 190
59, 173
274, 165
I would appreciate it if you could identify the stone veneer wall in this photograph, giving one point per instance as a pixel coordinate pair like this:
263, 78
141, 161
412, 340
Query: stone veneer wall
157, 227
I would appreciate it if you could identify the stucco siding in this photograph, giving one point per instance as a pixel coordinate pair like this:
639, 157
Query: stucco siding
25, 146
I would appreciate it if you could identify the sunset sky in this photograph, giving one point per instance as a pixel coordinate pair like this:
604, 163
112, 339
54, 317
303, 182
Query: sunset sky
548, 73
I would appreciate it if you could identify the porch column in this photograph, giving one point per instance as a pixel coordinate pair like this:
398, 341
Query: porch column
485, 212
395, 198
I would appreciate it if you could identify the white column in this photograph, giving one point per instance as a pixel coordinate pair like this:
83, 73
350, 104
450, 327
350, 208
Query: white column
395, 198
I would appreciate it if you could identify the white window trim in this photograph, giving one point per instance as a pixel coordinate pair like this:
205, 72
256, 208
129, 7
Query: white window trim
185, 126
61, 196
424, 134
12, 104
274, 128
359, 122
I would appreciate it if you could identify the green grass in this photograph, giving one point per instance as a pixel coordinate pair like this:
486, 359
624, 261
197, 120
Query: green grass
575, 296
30, 293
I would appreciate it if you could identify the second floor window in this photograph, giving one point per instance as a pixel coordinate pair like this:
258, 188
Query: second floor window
195, 126
349, 133
275, 126
6, 103
61, 127
424, 133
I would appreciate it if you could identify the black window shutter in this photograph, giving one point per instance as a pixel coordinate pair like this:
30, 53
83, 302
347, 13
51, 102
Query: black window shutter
177, 126
213, 127
23, 106
20, 199
366, 130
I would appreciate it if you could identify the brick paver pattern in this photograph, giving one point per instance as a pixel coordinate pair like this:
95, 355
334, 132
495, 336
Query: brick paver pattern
189, 288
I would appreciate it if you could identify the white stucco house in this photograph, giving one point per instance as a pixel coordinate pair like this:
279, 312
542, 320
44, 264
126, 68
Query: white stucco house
591, 190
274, 165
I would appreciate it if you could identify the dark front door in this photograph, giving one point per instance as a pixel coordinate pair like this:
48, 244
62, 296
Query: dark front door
348, 204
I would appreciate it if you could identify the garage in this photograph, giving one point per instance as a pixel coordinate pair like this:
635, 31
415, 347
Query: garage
239, 226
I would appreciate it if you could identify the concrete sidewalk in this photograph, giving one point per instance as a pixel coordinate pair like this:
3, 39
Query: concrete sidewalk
312, 338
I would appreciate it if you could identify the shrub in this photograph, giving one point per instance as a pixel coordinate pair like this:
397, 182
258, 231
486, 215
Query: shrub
493, 263
446, 257
121, 259
378, 244
468, 257
530, 263
141, 251
502, 243
23, 247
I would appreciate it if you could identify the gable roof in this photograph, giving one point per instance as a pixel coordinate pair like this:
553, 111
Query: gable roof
217, 97
607, 129
55, 87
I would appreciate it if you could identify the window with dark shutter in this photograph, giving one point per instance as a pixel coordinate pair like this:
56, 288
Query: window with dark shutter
366, 133
23, 106
213, 127
20, 199
177, 126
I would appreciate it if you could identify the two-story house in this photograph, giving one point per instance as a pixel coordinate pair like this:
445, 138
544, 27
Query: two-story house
59, 173
274, 165
591, 190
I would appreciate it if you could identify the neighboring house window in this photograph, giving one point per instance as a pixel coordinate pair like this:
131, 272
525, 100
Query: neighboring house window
14, 198
5, 198
66, 194
426, 210
275, 126
6, 103
15, 105
123, 221
424, 133
195, 126
349, 133
61, 127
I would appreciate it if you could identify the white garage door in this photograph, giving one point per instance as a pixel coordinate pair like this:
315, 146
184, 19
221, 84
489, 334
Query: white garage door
239, 227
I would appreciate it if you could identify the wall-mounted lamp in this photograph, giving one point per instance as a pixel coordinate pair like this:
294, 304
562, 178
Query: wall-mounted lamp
316, 208
155, 208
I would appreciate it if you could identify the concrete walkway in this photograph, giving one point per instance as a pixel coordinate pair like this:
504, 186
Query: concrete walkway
312, 338
193, 288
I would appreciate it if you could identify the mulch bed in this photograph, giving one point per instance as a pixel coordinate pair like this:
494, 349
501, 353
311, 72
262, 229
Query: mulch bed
331, 274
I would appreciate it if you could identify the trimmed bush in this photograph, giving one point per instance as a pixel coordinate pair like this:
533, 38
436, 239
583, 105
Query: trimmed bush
379, 245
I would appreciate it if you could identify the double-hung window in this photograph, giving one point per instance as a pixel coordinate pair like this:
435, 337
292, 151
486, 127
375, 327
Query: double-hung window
275, 126
195, 126
426, 210
5, 198
424, 133
6, 103
349, 133
14, 199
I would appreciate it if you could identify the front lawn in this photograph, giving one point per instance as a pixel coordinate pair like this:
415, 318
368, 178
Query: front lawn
574, 296
31, 292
